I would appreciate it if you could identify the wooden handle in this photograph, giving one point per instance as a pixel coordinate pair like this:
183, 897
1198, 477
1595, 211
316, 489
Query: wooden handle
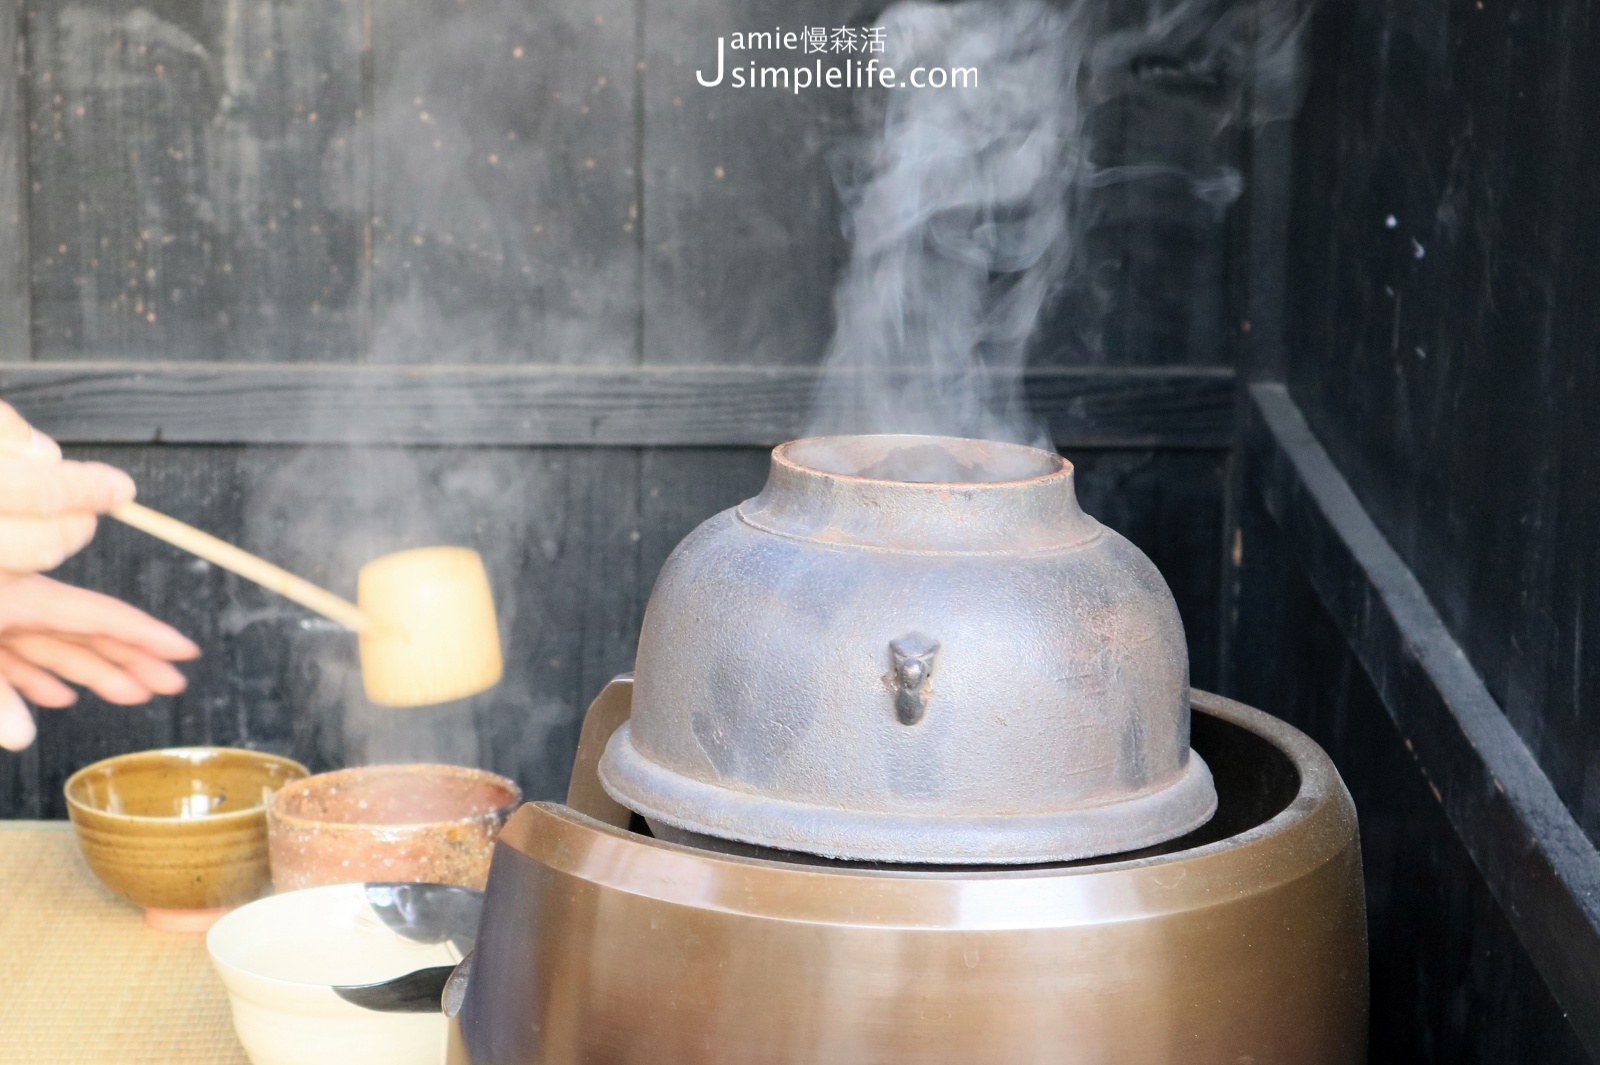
243, 563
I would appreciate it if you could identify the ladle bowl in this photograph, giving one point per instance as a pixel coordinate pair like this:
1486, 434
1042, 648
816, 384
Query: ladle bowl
431, 635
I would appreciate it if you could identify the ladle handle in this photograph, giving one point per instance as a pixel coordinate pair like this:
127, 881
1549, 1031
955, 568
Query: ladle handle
243, 563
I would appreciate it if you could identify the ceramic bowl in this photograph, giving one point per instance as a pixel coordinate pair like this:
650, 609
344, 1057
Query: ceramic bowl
419, 823
180, 832
280, 959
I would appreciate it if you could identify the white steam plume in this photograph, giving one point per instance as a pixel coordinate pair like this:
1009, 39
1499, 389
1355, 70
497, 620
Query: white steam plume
965, 210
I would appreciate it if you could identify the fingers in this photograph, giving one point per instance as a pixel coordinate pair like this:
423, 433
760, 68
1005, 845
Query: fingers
30, 663
39, 603
16, 724
35, 685
47, 506
154, 673
78, 664
34, 545
39, 687
45, 489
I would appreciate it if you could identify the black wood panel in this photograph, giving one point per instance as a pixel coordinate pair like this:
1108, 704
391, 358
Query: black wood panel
1530, 852
196, 179
1170, 505
505, 181
14, 340
1451, 984
1259, 251
573, 538
423, 181
742, 224
683, 487
543, 404
1445, 257
743, 236
1149, 277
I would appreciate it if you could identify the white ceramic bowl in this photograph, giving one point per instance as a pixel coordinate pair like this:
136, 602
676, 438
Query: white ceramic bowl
280, 958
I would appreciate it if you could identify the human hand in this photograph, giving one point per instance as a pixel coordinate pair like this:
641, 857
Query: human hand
48, 504
51, 632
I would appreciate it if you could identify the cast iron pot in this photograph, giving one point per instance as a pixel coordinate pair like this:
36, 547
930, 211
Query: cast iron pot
912, 649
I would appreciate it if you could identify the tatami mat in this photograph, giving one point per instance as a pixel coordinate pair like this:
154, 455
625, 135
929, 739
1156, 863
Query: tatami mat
82, 980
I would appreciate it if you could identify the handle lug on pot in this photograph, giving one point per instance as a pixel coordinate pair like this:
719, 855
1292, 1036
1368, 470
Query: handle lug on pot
912, 656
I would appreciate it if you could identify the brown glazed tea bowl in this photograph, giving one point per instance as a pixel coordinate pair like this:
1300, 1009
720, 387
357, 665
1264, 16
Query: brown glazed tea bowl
180, 832
390, 823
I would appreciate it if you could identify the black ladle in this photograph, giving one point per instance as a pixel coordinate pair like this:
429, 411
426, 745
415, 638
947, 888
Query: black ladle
422, 913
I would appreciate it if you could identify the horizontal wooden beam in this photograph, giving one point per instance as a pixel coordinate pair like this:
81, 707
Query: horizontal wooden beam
511, 405
1541, 867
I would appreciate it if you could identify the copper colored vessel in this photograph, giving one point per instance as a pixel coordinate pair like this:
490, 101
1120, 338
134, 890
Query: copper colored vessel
1243, 941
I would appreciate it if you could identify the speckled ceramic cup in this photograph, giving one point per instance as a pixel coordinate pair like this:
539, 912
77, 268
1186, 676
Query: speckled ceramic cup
416, 823
180, 832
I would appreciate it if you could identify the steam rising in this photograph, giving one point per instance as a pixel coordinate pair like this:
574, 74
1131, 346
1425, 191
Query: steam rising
965, 211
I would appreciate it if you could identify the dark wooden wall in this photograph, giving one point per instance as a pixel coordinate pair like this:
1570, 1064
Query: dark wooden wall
1468, 326
1422, 596
334, 278
1450, 980
1481, 887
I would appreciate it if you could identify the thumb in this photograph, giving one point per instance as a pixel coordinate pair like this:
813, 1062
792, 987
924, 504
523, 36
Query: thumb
16, 723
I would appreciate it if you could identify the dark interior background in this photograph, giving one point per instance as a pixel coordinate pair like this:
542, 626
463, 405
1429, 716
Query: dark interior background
1455, 379
1438, 332
416, 183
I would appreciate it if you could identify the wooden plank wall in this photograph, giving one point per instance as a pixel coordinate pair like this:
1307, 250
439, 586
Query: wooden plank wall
14, 344
1451, 982
1433, 317
332, 278
194, 179
1483, 889
1445, 260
